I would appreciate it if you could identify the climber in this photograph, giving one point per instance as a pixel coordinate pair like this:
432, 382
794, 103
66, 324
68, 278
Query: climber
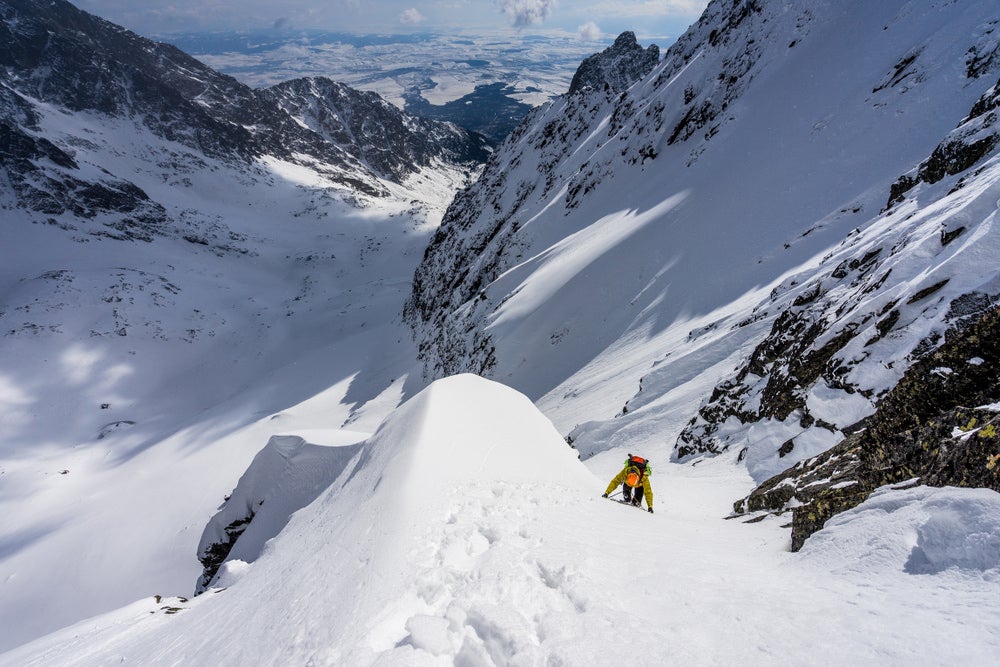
634, 479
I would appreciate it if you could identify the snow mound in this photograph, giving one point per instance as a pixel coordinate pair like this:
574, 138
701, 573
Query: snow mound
444, 537
922, 530
467, 428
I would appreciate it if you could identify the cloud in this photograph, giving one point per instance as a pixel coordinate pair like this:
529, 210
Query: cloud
652, 8
282, 23
526, 12
411, 16
590, 32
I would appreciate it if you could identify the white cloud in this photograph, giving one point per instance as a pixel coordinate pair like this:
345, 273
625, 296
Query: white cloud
411, 16
590, 32
162, 17
526, 12
653, 8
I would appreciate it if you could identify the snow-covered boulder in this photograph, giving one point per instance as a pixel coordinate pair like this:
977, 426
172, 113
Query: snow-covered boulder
922, 530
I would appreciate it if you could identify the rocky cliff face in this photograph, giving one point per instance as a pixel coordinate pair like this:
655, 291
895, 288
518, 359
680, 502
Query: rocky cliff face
479, 237
57, 54
616, 67
937, 425
46, 179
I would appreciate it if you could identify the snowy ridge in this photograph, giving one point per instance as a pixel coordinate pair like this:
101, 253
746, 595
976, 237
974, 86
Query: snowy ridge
653, 238
389, 542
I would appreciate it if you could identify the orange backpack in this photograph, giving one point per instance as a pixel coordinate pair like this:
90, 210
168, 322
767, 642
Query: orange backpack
636, 470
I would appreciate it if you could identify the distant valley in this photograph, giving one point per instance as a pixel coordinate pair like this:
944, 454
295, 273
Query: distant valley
484, 84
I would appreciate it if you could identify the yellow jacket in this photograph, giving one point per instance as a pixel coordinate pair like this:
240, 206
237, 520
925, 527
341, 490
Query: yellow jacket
647, 488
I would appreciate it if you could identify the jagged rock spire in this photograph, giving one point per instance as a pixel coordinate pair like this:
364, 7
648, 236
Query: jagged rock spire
618, 66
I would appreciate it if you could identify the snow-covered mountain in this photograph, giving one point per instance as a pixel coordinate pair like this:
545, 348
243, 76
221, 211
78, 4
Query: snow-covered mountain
761, 235
182, 257
726, 263
392, 144
59, 55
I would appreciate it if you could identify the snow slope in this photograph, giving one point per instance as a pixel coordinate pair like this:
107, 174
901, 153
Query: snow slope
652, 239
466, 532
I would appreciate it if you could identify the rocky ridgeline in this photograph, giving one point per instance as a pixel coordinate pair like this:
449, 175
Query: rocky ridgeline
738, 31
395, 145
479, 235
478, 238
57, 54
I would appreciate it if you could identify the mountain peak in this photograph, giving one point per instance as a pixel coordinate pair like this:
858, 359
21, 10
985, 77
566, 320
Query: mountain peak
618, 66
626, 40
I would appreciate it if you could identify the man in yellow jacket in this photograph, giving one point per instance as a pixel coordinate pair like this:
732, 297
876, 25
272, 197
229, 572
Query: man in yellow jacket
634, 479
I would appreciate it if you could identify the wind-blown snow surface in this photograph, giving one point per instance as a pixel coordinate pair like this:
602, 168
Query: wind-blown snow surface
466, 532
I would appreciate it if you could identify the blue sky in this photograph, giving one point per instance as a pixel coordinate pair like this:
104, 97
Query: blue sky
590, 18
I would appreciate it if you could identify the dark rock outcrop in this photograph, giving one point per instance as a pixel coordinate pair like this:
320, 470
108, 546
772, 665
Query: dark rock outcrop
616, 67
938, 426
40, 177
961, 150
215, 554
